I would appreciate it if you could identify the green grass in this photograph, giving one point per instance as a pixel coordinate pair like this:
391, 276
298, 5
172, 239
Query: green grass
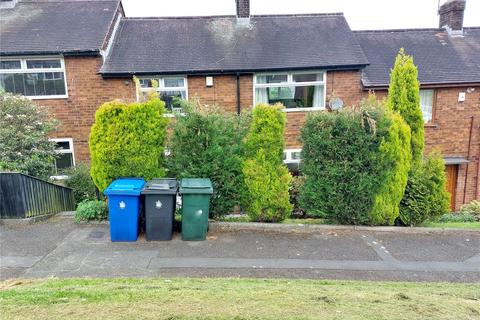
461, 225
217, 298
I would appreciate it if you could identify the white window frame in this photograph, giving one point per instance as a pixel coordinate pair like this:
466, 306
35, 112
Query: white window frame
23, 69
432, 111
291, 83
162, 88
288, 156
71, 150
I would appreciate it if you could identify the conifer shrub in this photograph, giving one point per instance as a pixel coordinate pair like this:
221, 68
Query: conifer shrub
267, 180
127, 140
425, 196
355, 164
207, 143
81, 182
404, 97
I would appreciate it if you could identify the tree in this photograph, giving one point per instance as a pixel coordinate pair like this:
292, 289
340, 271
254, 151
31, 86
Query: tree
127, 140
24, 143
404, 97
355, 164
208, 143
267, 180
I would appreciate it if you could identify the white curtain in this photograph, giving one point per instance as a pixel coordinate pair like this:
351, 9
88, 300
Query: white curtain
426, 104
261, 95
319, 94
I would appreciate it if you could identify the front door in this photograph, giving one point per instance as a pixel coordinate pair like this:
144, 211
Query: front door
452, 173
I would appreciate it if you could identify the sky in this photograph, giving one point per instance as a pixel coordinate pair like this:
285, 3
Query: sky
360, 14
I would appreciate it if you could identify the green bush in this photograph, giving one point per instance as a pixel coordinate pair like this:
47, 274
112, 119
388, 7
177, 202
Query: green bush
266, 133
355, 164
127, 140
294, 191
81, 182
472, 208
425, 196
24, 143
265, 197
91, 210
404, 97
457, 217
209, 144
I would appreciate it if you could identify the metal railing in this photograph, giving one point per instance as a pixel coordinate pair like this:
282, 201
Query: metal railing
23, 196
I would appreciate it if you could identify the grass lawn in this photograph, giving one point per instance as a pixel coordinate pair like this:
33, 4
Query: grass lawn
216, 298
462, 225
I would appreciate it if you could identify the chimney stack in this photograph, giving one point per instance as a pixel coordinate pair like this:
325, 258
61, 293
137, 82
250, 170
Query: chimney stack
451, 16
243, 12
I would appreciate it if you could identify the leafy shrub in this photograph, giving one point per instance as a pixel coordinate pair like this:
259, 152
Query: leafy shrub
266, 190
294, 191
266, 133
24, 143
91, 210
81, 182
207, 143
355, 164
472, 208
457, 217
425, 196
127, 140
265, 197
404, 97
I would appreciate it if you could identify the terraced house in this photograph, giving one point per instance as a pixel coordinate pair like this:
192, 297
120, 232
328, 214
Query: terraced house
74, 55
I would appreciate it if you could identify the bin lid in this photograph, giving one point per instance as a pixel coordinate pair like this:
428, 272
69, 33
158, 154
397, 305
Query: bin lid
196, 185
125, 186
161, 186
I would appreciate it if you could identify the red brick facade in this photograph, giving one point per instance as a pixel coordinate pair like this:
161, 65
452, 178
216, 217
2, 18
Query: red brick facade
449, 132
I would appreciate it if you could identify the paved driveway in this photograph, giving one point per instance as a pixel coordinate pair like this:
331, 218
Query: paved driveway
60, 248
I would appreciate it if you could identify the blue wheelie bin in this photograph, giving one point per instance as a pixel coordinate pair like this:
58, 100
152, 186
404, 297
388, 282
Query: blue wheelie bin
124, 208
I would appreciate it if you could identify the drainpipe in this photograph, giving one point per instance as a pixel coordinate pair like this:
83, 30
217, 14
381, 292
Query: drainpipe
238, 93
477, 195
468, 159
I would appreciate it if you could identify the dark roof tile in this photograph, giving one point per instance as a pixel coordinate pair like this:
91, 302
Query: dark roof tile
218, 44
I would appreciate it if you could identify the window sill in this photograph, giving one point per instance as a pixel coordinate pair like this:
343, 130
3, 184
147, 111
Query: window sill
430, 125
47, 97
303, 109
173, 115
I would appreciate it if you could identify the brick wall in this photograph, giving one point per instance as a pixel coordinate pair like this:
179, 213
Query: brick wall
342, 84
87, 90
223, 93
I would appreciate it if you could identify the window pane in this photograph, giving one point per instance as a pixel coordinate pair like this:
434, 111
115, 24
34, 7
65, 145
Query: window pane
173, 82
147, 83
274, 78
43, 64
10, 64
64, 161
173, 99
44, 84
62, 145
426, 104
307, 77
296, 155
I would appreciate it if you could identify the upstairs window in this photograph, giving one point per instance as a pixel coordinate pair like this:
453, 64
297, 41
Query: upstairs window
296, 91
172, 90
426, 104
37, 78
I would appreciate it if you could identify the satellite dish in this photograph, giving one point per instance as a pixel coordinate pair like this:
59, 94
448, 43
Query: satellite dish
335, 103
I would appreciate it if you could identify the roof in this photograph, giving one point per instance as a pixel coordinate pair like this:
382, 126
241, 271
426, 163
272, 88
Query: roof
440, 58
219, 44
50, 27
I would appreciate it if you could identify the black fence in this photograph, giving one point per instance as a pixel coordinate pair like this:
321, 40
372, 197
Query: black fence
23, 196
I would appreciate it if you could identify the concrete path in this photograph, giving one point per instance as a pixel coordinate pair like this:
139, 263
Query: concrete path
58, 247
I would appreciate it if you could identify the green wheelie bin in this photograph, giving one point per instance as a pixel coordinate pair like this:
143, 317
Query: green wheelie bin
196, 195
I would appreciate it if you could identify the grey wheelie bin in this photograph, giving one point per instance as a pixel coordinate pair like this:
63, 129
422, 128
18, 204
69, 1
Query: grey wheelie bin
160, 203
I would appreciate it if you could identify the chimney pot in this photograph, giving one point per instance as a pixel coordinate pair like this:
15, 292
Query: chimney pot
243, 12
451, 16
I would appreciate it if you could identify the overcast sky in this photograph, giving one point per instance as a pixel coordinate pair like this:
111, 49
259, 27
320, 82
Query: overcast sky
360, 14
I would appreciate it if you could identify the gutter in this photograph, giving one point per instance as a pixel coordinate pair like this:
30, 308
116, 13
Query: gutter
107, 74
426, 85
76, 53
